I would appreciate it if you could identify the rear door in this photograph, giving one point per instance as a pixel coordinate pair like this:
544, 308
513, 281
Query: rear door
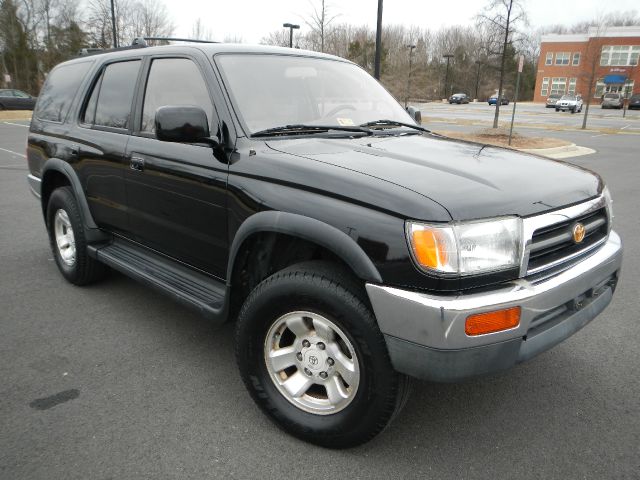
102, 133
176, 193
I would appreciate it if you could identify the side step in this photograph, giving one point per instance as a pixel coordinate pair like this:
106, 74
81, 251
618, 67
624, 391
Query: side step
195, 289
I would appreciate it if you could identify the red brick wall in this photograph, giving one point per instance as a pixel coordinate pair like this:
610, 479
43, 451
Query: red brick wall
588, 50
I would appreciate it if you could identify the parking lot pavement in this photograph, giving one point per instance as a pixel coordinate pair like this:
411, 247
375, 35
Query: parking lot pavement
532, 115
116, 381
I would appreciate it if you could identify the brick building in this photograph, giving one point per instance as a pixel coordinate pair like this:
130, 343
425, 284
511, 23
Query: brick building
566, 63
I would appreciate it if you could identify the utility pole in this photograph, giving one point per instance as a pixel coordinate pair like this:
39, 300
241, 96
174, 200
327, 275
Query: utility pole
448, 56
376, 70
113, 24
291, 27
406, 98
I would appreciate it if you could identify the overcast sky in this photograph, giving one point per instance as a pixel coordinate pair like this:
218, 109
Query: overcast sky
253, 19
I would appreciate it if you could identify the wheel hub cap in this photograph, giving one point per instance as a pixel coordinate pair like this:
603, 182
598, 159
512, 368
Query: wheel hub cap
312, 363
64, 237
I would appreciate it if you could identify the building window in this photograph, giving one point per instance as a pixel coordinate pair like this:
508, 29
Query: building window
620, 55
549, 59
602, 88
545, 87
558, 85
576, 59
572, 86
562, 58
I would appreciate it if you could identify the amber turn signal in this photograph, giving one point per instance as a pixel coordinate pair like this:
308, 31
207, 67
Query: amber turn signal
430, 248
491, 322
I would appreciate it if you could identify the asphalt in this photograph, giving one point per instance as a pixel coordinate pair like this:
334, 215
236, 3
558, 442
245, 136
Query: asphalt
115, 381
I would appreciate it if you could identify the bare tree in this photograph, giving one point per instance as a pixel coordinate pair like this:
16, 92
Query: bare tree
592, 61
502, 17
320, 20
200, 32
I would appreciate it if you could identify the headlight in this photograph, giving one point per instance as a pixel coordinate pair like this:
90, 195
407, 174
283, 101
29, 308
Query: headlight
609, 201
466, 248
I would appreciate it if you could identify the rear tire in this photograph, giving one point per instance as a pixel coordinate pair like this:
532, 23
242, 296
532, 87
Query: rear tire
68, 243
313, 313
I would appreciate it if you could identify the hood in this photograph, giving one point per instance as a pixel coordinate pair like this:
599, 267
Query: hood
469, 180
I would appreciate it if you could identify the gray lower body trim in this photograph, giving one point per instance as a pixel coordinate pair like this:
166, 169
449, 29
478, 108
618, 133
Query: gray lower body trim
454, 365
35, 185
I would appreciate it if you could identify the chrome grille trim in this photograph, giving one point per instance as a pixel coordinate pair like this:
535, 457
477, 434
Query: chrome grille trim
531, 224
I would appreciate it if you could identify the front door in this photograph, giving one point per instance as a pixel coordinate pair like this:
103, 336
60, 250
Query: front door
176, 193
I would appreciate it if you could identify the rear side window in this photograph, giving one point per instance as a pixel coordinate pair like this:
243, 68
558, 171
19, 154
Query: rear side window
59, 90
175, 82
110, 102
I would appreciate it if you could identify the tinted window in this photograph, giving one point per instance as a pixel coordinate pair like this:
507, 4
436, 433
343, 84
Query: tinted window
116, 88
173, 81
58, 91
20, 94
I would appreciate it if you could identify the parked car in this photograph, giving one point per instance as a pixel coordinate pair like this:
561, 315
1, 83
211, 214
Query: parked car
552, 100
634, 101
569, 103
11, 99
612, 100
351, 247
459, 98
493, 99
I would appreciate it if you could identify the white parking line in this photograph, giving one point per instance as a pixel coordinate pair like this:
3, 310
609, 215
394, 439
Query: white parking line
14, 153
625, 127
601, 135
17, 124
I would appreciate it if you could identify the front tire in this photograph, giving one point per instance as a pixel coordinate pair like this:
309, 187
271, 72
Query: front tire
68, 243
313, 359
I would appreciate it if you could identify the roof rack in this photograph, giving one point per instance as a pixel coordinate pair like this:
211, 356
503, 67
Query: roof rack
142, 41
138, 42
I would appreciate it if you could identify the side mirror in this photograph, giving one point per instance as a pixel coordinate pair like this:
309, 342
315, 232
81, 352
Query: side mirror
181, 124
415, 114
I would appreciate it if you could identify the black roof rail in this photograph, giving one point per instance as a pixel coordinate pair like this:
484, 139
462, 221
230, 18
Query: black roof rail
142, 41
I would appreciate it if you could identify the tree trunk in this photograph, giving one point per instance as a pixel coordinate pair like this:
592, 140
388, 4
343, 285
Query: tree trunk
504, 58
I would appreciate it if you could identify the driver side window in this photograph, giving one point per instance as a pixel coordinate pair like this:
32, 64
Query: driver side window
175, 82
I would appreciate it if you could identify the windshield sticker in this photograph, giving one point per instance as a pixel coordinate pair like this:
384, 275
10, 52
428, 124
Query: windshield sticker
345, 122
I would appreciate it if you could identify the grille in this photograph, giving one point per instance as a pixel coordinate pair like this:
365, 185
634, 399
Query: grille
553, 245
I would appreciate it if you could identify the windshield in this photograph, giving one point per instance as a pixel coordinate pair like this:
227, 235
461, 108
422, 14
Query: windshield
611, 95
275, 90
568, 97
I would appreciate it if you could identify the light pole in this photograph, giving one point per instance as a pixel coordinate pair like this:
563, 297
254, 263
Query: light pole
406, 98
376, 68
448, 56
113, 24
478, 62
291, 27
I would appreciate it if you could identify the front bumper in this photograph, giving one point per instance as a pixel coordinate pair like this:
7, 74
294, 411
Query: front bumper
425, 334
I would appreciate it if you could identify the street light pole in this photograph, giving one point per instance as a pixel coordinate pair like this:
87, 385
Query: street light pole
477, 78
113, 24
376, 69
291, 27
448, 56
406, 98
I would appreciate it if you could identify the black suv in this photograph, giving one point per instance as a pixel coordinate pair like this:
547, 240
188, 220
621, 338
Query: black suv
287, 191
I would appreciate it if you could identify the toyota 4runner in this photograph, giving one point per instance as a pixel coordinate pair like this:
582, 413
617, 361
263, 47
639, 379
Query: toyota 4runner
288, 192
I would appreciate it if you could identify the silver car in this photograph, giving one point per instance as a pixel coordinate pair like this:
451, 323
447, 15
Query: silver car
612, 100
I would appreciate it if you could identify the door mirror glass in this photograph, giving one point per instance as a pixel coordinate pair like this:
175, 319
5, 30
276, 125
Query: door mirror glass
181, 124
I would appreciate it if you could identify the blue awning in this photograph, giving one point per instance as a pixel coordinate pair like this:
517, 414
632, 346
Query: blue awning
614, 79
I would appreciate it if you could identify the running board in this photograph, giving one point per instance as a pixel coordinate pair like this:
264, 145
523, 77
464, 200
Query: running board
192, 288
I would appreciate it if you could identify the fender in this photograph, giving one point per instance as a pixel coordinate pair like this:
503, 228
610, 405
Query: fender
309, 229
92, 231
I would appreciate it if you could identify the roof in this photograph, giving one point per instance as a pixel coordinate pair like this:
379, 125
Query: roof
209, 49
605, 32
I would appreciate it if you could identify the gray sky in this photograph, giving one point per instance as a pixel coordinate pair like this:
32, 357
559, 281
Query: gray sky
254, 19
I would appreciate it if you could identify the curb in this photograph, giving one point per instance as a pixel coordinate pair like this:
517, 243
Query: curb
566, 151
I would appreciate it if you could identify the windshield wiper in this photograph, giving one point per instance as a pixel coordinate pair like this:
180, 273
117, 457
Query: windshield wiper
301, 129
391, 124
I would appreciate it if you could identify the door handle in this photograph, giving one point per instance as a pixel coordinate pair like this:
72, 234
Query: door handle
137, 163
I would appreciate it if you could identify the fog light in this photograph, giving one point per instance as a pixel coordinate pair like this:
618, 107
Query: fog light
491, 322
